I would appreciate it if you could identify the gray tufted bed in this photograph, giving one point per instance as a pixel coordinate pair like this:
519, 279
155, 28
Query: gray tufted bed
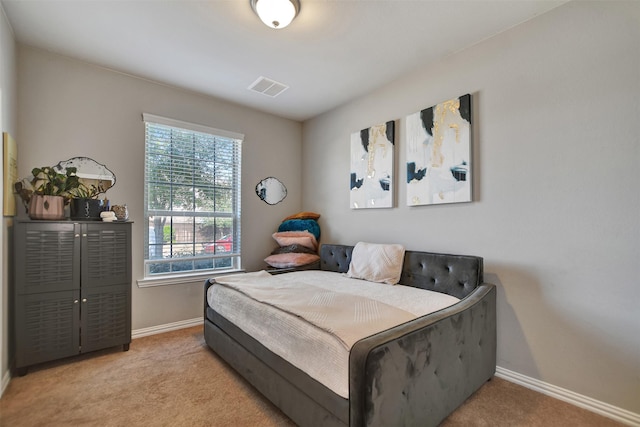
416, 373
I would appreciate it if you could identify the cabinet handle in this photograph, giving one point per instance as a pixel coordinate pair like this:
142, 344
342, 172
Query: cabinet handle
77, 235
84, 300
75, 301
84, 234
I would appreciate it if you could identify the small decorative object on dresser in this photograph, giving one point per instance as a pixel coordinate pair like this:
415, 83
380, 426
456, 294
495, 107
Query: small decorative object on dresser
108, 216
121, 211
85, 204
95, 179
47, 191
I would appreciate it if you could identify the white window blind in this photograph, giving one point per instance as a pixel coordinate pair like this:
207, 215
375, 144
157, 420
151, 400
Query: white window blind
192, 197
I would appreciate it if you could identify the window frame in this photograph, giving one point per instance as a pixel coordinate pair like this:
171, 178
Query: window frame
176, 277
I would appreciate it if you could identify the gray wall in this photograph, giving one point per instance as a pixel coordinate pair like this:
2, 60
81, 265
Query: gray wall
556, 168
556, 206
68, 108
8, 123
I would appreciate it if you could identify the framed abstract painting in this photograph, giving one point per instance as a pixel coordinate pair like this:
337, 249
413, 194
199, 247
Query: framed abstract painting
438, 153
10, 167
372, 158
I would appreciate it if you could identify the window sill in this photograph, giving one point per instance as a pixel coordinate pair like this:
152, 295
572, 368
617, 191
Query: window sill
181, 279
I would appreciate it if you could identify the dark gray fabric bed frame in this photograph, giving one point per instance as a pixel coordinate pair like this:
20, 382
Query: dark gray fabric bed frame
414, 374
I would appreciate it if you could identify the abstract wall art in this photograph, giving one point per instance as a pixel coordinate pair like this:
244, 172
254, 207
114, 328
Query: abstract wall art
10, 167
438, 153
372, 158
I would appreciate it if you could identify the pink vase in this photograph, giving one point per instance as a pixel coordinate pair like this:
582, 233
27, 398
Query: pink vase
46, 207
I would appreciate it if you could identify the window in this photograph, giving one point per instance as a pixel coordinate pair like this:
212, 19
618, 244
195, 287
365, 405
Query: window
192, 198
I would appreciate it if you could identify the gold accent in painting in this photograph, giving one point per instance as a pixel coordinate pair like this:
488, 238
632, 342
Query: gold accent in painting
10, 165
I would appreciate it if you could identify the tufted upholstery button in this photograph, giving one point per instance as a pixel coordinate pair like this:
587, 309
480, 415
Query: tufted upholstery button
456, 275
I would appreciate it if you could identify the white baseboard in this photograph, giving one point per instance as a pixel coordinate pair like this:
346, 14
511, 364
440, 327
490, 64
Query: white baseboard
139, 333
6, 379
604, 409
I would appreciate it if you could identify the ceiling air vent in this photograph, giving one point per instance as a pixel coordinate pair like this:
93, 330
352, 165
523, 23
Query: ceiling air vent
268, 87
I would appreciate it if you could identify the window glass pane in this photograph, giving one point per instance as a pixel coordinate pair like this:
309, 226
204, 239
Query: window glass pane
224, 199
158, 268
183, 198
159, 235
192, 186
158, 196
224, 175
182, 266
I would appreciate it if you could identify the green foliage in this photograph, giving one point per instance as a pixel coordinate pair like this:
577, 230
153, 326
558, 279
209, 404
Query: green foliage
47, 181
168, 236
86, 192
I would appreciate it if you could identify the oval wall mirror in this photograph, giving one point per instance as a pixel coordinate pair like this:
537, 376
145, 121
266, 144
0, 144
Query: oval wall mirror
89, 172
271, 190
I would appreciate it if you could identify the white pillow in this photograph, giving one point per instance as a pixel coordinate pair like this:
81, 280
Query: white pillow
376, 262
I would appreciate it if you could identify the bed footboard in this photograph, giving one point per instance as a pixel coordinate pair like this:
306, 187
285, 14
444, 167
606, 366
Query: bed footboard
421, 371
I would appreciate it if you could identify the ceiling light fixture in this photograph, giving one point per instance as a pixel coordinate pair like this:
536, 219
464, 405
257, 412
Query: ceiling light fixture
276, 13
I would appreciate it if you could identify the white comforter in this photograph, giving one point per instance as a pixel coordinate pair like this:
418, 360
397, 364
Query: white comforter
308, 344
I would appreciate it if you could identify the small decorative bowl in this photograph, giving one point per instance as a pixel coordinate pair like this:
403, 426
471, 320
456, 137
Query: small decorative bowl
121, 211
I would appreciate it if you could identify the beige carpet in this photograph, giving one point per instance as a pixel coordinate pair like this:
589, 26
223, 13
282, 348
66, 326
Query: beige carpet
173, 379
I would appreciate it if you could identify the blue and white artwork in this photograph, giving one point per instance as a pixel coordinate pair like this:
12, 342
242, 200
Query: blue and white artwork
439, 153
372, 154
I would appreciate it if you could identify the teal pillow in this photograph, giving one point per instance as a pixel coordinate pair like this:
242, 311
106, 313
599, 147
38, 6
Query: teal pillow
310, 225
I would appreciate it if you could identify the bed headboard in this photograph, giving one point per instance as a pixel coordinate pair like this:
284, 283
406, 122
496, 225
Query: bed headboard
456, 275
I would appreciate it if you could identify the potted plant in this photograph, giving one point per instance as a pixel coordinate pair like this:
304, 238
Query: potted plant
84, 204
47, 192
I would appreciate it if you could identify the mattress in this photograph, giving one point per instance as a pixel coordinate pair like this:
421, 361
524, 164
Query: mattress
312, 349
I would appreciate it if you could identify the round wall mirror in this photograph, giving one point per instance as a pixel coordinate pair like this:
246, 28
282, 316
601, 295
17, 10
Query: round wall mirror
271, 190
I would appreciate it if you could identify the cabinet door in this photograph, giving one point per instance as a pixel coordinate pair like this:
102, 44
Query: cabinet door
105, 317
46, 327
47, 257
106, 254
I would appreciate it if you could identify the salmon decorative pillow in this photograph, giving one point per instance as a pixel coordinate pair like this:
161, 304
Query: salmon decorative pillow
304, 238
291, 259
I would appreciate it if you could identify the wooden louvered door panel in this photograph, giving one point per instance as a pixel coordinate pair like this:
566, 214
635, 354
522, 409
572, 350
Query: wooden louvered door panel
49, 255
47, 327
106, 254
106, 286
105, 317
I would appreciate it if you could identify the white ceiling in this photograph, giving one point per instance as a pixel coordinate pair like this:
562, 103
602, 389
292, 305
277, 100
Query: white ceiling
334, 51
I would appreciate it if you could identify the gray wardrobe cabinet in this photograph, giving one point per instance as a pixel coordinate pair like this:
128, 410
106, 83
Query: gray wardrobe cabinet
72, 289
